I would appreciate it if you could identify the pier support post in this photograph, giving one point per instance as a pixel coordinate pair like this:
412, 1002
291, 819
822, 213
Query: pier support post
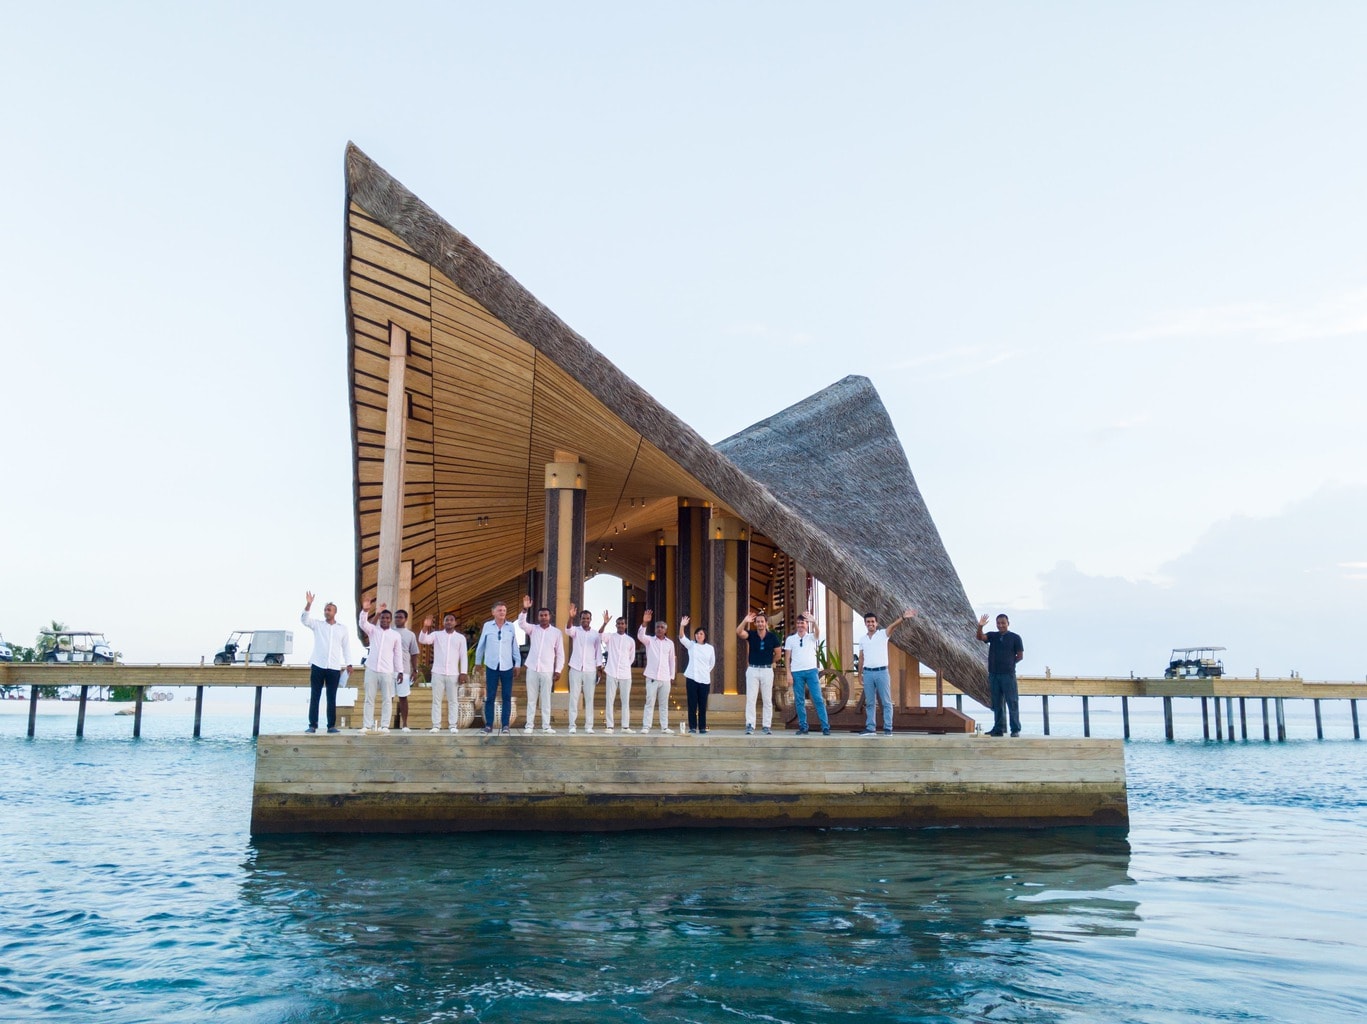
1354, 707
137, 711
1205, 720
1125, 714
1267, 731
1281, 720
1044, 705
1167, 718
1229, 718
1086, 717
199, 706
1219, 726
1319, 725
1243, 717
256, 715
32, 710
80, 712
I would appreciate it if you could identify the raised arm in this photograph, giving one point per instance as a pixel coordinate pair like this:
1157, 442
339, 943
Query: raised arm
982, 621
424, 634
741, 631
364, 619
910, 613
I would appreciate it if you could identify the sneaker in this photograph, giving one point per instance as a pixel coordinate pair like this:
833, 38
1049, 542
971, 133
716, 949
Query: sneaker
749, 730
608, 730
993, 732
825, 732
504, 731
489, 729
435, 728
869, 732
312, 728
589, 728
549, 731
573, 730
384, 728
702, 732
887, 732
333, 730
627, 729
404, 728
1015, 734
645, 731
454, 728
526, 728
802, 732
768, 731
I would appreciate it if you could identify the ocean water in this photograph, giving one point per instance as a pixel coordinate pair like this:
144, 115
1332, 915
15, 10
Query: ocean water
131, 891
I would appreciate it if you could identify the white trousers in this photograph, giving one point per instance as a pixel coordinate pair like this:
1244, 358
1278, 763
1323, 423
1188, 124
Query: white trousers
445, 688
582, 683
383, 681
539, 689
614, 686
656, 689
759, 680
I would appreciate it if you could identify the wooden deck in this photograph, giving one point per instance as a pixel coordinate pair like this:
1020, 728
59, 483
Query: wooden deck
443, 782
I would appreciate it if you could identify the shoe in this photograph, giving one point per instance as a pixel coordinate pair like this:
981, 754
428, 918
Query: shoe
1015, 734
702, 732
454, 728
573, 730
588, 728
887, 732
608, 730
627, 729
549, 731
825, 732
435, 728
333, 730
404, 728
994, 732
504, 731
312, 728
645, 731
749, 730
768, 731
869, 732
489, 729
384, 728
802, 732
526, 728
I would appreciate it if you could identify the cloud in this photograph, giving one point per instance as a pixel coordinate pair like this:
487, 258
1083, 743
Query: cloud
1338, 316
1281, 592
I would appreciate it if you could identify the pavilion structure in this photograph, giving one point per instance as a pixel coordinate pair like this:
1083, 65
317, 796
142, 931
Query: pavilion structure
498, 453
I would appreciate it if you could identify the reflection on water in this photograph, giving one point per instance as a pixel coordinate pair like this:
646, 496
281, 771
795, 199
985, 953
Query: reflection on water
691, 925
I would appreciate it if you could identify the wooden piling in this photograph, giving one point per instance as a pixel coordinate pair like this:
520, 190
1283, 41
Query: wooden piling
32, 710
1044, 703
1354, 706
1219, 726
80, 712
1167, 717
1205, 720
1281, 720
1125, 714
1229, 718
137, 711
1086, 717
1267, 731
1319, 725
199, 708
1243, 717
256, 714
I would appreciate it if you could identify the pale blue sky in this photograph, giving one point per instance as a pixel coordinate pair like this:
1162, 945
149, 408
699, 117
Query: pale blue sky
1104, 262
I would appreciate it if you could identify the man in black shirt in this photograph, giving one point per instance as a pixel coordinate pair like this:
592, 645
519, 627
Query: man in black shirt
1004, 649
759, 671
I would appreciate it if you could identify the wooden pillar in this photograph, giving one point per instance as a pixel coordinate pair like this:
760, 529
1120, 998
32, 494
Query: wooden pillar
137, 711
1243, 718
1353, 706
1167, 718
1086, 717
1319, 725
1044, 708
663, 601
256, 715
1125, 714
692, 583
728, 542
904, 676
389, 591
1281, 720
80, 712
567, 481
1205, 720
839, 630
199, 702
1229, 718
32, 710
1219, 727
1267, 731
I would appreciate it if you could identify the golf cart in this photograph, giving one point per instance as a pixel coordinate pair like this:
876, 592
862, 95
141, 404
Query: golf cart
263, 646
1194, 663
75, 645
5, 653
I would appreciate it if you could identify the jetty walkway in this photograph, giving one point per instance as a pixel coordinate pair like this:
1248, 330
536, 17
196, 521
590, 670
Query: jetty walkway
1227, 695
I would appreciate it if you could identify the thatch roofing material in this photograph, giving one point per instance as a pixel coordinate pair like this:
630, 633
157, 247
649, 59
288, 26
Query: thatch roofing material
866, 565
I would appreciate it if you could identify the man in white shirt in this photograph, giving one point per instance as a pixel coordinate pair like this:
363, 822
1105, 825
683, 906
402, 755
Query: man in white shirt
873, 671
498, 652
619, 650
586, 642
659, 670
382, 666
331, 654
408, 644
449, 654
545, 659
804, 675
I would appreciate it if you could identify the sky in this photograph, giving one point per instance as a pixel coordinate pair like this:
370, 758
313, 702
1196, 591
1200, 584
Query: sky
1105, 264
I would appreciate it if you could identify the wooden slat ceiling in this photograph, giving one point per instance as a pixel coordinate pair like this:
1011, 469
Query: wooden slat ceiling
499, 411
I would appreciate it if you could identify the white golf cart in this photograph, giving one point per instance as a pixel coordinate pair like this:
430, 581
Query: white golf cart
262, 646
78, 645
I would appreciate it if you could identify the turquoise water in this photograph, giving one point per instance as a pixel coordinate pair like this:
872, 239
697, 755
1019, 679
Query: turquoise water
132, 892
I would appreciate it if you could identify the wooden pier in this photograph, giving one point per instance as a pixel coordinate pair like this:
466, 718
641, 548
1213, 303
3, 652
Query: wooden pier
469, 781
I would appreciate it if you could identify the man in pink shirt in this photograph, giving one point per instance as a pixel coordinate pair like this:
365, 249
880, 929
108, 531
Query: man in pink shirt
545, 659
382, 666
620, 648
659, 670
583, 664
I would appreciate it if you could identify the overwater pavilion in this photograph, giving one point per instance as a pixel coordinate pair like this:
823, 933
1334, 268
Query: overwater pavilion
497, 453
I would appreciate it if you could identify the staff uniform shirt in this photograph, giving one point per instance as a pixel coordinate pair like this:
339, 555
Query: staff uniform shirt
620, 649
701, 660
659, 656
762, 649
546, 653
450, 651
801, 652
497, 647
408, 644
386, 656
1002, 649
873, 650
584, 655
331, 643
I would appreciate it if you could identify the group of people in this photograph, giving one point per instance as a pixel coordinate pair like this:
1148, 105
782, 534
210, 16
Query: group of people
394, 649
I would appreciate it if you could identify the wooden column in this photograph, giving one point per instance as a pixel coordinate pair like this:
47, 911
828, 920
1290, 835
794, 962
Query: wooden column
663, 601
389, 589
839, 629
692, 582
566, 483
904, 672
729, 553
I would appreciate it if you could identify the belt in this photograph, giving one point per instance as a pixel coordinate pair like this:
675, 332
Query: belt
755, 664
875, 668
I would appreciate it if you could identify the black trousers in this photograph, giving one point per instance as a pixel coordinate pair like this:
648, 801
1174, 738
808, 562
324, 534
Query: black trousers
319, 678
697, 705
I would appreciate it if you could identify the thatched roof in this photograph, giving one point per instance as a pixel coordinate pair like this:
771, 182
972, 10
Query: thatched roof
879, 550
834, 459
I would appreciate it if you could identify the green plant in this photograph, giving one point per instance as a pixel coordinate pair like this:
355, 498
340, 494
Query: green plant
828, 660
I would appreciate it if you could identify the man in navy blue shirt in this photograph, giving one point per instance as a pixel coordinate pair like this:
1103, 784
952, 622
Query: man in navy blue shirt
1004, 649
